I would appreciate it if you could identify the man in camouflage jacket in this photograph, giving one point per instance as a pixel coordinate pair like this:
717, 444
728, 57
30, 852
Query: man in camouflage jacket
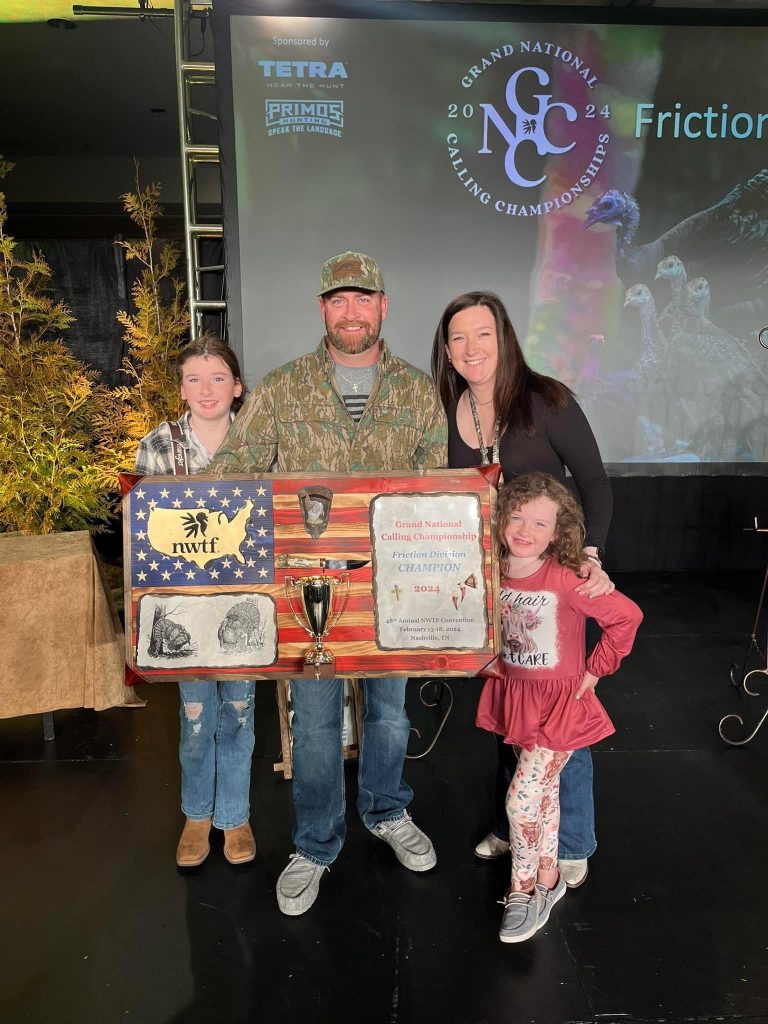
297, 418
349, 406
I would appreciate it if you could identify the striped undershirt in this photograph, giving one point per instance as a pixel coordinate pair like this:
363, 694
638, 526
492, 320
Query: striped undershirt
355, 384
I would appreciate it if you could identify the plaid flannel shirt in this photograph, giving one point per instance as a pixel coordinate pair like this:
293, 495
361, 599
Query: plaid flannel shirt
155, 454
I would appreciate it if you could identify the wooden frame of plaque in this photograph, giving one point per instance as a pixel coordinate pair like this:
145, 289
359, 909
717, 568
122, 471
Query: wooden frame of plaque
206, 562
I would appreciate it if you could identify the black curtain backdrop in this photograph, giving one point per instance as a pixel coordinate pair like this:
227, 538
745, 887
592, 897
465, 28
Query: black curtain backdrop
90, 275
93, 278
688, 523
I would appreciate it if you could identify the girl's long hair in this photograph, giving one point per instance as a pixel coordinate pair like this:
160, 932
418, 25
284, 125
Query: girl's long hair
212, 345
567, 546
516, 383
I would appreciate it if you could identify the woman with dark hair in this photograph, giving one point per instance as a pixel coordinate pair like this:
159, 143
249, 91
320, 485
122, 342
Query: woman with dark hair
500, 410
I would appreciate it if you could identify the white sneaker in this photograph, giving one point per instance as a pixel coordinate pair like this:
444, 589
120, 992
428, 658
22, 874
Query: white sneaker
412, 847
298, 885
573, 872
491, 847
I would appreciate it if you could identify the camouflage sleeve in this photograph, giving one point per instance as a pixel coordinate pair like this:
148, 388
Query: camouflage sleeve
251, 443
432, 452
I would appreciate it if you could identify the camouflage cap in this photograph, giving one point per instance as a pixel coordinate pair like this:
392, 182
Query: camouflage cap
351, 270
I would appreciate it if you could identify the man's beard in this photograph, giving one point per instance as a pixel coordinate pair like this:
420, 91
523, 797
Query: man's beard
357, 344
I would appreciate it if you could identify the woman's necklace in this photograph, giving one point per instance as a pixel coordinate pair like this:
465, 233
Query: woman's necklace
495, 441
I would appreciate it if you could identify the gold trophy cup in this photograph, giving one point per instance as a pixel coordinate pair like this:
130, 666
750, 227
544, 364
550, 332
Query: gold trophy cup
318, 595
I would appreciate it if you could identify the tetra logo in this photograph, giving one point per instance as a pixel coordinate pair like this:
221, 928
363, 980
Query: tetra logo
530, 125
303, 69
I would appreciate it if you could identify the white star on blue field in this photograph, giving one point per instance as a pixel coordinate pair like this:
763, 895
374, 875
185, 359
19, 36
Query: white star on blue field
199, 505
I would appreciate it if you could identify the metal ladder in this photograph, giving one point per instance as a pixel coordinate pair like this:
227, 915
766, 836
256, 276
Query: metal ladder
191, 74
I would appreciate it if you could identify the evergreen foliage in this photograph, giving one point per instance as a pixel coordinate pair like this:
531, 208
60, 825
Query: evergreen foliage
27, 312
63, 435
154, 336
50, 405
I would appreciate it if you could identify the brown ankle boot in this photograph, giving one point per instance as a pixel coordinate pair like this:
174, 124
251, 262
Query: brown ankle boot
193, 846
239, 844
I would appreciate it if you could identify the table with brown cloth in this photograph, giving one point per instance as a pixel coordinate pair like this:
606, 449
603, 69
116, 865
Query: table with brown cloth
61, 642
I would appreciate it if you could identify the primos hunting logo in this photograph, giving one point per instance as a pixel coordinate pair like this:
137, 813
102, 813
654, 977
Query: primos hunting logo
284, 117
531, 101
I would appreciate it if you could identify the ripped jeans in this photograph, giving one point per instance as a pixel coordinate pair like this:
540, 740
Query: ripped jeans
215, 748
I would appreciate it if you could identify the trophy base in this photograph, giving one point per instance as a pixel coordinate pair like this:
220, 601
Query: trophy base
320, 670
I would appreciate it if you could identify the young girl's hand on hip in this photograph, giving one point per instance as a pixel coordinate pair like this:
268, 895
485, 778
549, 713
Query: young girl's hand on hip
589, 682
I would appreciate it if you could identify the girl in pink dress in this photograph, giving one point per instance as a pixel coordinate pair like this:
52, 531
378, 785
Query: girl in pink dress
540, 694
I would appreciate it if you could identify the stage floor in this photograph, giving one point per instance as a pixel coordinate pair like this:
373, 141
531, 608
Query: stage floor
98, 925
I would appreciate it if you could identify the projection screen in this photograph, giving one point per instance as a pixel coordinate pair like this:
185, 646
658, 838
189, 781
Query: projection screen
608, 181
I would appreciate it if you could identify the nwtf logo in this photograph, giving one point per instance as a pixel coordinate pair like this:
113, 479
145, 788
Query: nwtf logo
317, 69
530, 125
520, 131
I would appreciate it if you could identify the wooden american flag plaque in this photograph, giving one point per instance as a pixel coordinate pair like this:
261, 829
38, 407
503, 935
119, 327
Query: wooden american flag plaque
206, 564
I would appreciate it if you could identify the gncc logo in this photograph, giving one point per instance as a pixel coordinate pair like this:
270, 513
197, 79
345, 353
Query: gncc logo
529, 125
526, 127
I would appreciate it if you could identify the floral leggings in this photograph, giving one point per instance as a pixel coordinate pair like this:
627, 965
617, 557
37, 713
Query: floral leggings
533, 809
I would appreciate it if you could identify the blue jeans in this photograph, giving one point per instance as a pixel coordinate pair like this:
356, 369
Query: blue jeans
215, 748
318, 764
577, 803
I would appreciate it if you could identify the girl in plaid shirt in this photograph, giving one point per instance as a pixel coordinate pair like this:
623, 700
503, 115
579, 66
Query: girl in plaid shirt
216, 741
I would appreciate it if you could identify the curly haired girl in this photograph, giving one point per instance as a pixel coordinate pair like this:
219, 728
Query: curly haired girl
540, 694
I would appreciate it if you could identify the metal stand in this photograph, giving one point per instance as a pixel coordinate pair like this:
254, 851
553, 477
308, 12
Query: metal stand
349, 750
739, 719
753, 644
191, 73
440, 686
745, 675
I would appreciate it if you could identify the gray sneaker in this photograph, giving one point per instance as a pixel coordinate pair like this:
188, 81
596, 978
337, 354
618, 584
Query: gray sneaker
548, 898
298, 885
412, 848
521, 916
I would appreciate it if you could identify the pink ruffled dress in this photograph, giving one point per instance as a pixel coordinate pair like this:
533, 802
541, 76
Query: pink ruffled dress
531, 700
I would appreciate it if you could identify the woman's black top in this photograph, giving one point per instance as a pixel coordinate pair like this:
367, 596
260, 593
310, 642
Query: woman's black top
562, 439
